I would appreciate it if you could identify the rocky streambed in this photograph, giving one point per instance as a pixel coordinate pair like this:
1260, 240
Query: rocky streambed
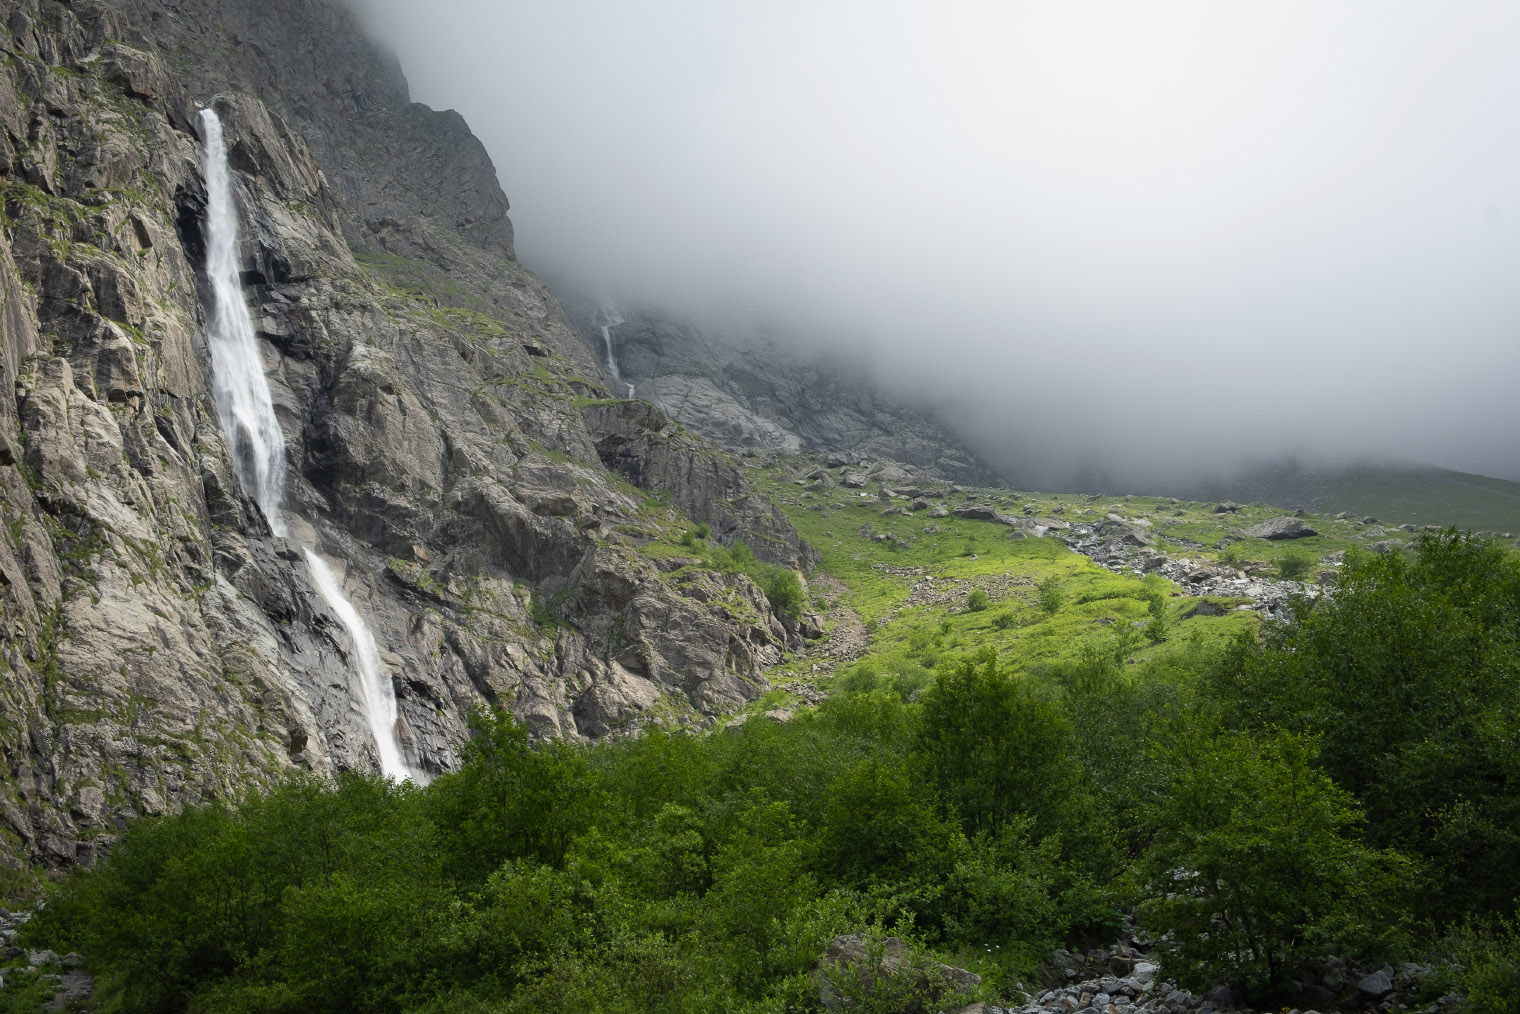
1126, 548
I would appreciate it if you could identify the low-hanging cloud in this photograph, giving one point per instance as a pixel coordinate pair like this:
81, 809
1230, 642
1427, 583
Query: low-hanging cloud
1109, 239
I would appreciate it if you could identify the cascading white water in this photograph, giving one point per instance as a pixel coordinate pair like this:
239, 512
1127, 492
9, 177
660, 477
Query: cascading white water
237, 372
375, 692
247, 414
611, 319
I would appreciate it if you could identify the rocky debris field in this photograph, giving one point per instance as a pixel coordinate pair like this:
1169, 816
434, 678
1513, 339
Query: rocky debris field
1123, 549
1127, 977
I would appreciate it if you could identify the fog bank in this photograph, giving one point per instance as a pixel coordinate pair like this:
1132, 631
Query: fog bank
1108, 239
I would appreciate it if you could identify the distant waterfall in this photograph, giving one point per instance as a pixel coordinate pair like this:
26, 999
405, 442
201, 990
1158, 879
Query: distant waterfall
258, 447
610, 319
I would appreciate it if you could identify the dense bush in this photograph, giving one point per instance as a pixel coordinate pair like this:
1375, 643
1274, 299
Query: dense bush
1410, 678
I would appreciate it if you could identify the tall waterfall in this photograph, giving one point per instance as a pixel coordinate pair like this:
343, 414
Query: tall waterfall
610, 319
258, 447
237, 372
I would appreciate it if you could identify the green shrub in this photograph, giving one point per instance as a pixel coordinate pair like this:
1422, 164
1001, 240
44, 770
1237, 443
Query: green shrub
1052, 598
976, 601
1292, 566
784, 591
1480, 961
1003, 620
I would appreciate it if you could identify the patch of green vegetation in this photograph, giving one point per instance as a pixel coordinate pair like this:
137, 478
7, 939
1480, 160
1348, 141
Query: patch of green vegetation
1044, 603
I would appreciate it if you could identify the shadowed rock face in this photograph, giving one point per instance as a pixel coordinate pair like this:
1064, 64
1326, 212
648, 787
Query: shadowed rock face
408, 178
158, 646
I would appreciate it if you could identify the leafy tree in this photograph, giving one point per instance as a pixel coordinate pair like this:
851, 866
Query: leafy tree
1155, 627
994, 746
784, 592
1256, 863
512, 799
1410, 677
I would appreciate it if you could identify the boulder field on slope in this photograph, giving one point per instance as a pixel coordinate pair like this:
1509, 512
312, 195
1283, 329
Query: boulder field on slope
160, 647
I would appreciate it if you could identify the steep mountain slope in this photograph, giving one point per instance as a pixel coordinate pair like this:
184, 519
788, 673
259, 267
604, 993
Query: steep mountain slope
490, 508
754, 393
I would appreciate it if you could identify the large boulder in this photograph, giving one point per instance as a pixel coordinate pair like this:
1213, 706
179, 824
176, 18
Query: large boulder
1280, 528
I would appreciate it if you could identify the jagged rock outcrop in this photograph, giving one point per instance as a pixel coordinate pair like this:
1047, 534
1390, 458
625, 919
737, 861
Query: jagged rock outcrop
636, 440
159, 645
437, 197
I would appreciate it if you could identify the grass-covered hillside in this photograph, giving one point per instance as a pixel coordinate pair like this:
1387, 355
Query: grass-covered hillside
997, 749
897, 582
1418, 494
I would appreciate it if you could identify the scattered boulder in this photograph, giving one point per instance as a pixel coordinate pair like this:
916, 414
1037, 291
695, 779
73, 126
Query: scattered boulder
1280, 528
982, 512
1205, 608
43, 959
1375, 986
1222, 996
1227, 507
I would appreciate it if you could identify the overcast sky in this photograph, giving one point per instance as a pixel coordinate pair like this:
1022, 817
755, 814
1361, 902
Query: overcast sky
1127, 236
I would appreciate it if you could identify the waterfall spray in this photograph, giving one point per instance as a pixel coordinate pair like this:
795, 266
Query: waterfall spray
247, 415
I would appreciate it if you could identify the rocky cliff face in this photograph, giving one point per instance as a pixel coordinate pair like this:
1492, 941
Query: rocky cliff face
750, 393
448, 442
